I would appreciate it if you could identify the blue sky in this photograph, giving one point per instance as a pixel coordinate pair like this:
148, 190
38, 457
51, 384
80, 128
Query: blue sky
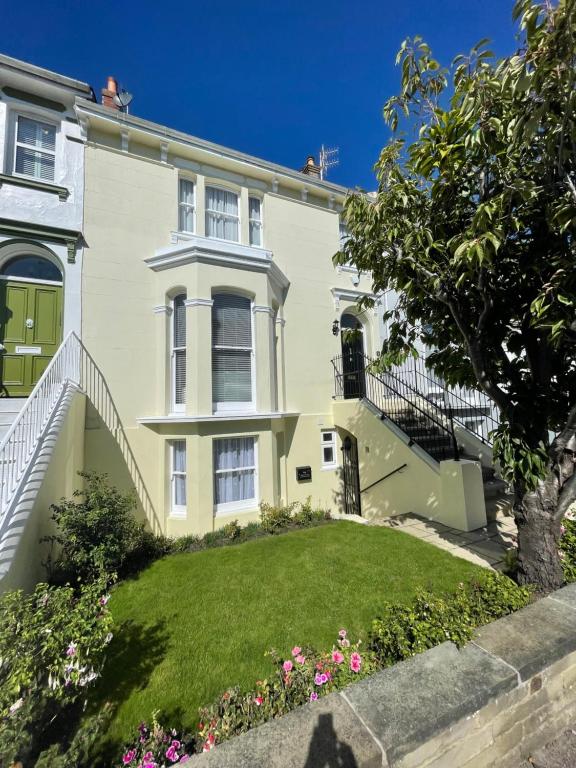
275, 79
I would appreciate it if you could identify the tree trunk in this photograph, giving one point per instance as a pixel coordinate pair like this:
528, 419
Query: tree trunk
538, 522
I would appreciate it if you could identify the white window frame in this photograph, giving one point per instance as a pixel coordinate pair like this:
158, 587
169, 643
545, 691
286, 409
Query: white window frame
260, 221
332, 443
209, 211
240, 407
236, 506
182, 205
174, 406
15, 144
177, 510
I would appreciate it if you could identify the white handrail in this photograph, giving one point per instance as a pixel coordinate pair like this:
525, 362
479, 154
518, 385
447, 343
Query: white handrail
71, 366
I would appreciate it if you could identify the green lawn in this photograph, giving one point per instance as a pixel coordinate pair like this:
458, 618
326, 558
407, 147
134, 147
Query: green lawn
195, 624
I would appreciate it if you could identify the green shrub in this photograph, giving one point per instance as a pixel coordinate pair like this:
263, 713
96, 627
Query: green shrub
98, 533
403, 631
273, 519
52, 646
568, 545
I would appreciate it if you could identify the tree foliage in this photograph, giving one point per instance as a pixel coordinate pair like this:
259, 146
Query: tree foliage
473, 224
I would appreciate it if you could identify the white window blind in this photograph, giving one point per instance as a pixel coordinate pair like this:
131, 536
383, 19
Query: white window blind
231, 349
222, 214
178, 476
235, 471
35, 153
186, 207
179, 350
255, 220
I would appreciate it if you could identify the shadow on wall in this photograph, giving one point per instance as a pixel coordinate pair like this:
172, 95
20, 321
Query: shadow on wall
394, 479
326, 750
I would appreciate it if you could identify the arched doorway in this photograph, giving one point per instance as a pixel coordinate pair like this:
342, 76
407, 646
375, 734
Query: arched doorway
30, 320
351, 476
353, 360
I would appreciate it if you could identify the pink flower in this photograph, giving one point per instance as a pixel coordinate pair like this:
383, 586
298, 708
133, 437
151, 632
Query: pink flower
287, 666
104, 599
313, 696
171, 753
209, 743
337, 657
318, 679
296, 650
300, 659
71, 651
149, 756
323, 678
355, 662
176, 744
342, 633
344, 643
129, 756
258, 701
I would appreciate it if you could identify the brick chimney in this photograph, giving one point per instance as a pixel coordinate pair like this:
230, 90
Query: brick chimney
109, 92
311, 169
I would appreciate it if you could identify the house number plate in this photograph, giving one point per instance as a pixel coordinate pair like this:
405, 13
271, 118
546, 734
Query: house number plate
28, 350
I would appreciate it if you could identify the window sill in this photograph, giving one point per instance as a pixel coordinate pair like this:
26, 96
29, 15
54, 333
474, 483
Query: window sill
222, 510
178, 515
41, 186
175, 418
331, 468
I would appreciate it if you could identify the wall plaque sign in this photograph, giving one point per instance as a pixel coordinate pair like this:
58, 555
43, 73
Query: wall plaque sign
303, 474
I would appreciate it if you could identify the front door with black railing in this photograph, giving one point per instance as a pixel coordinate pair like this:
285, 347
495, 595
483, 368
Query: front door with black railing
353, 376
351, 476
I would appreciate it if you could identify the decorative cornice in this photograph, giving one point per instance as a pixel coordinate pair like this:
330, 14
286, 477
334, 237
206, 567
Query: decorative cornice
19, 229
198, 302
206, 250
262, 308
158, 421
163, 309
41, 186
345, 294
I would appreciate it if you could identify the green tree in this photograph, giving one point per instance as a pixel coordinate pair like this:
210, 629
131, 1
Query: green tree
473, 224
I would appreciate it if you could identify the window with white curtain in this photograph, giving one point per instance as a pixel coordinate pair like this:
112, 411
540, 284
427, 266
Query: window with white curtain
179, 353
35, 149
255, 220
186, 207
235, 473
222, 219
178, 477
231, 352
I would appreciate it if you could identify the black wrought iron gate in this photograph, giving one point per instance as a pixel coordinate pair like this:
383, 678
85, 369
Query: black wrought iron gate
351, 476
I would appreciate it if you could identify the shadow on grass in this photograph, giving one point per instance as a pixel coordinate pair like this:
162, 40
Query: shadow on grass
133, 654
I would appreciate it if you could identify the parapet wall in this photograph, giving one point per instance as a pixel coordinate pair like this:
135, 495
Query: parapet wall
491, 703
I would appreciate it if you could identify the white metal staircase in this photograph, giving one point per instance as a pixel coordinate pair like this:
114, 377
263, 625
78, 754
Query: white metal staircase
71, 370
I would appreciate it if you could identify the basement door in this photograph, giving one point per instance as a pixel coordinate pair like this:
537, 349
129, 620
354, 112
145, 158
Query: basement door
351, 476
30, 332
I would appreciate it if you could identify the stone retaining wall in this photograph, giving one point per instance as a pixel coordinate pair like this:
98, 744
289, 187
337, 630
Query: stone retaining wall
489, 704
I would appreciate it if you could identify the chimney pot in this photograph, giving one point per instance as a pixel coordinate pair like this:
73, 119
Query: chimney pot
109, 92
311, 169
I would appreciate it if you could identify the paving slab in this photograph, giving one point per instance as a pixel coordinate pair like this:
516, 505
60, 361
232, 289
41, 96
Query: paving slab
405, 705
533, 638
566, 595
558, 753
324, 733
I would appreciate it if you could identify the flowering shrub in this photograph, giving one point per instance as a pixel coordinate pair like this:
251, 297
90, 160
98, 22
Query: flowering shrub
156, 747
303, 677
568, 544
52, 646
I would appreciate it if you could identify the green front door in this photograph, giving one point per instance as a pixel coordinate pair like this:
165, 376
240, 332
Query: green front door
30, 331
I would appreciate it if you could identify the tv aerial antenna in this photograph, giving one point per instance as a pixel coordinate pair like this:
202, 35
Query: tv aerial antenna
123, 99
328, 159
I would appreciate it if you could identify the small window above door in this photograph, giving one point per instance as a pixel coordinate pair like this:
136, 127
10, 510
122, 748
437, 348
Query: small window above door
31, 268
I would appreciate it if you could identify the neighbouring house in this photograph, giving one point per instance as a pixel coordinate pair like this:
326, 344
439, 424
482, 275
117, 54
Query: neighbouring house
213, 366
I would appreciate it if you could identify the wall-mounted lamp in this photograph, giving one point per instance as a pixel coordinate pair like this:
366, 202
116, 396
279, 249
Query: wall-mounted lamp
336, 327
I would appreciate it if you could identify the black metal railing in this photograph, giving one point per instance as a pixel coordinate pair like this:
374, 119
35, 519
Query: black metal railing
470, 408
421, 420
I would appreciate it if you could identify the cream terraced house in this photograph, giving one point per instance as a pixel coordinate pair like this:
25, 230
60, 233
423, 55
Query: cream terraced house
214, 272
190, 335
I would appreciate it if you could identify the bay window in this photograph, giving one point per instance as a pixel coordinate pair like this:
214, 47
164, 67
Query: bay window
255, 220
178, 373
178, 478
231, 352
222, 219
235, 484
186, 206
34, 149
